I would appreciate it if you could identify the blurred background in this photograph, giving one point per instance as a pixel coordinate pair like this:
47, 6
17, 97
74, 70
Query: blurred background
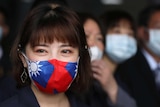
17, 9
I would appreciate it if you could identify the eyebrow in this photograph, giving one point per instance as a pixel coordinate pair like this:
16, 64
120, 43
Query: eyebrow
61, 45
42, 45
66, 45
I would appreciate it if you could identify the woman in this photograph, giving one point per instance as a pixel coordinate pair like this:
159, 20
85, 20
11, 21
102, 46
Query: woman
119, 28
51, 59
120, 45
105, 91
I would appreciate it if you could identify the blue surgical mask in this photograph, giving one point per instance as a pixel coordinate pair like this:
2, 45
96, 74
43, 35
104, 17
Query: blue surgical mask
154, 41
120, 47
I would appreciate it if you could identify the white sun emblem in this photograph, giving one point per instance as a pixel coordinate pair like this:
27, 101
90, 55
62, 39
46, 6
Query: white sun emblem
34, 68
76, 71
76, 68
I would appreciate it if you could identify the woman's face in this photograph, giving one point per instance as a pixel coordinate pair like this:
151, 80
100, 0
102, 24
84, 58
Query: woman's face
123, 27
93, 34
3, 25
56, 50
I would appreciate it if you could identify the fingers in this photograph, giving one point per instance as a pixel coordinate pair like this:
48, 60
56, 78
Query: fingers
98, 68
98, 64
101, 71
97, 77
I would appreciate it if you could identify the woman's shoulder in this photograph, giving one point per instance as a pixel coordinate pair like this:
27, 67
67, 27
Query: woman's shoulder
7, 87
24, 98
13, 101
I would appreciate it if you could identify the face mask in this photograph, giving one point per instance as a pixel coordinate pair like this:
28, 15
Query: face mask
120, 47
52, 76
95, 53
154, 41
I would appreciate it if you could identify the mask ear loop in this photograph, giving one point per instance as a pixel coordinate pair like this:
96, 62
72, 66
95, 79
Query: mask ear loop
24, 55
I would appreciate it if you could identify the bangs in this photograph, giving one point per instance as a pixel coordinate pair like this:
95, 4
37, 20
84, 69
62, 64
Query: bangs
56, 31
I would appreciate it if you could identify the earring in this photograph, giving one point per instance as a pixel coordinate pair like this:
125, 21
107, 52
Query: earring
24, 76
86, 47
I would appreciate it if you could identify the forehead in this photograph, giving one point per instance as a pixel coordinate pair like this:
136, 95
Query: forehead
91, 26
154, 21
90, 22
124, 24
49, 34
122, 27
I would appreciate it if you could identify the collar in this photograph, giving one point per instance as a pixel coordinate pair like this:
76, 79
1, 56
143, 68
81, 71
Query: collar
151, 61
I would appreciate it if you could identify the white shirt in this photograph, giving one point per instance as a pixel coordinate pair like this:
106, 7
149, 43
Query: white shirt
153, 65
151, 61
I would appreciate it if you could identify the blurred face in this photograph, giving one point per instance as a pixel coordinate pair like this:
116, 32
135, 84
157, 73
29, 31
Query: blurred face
154, 22
123, 27
3, 25
93, 34
120, 42
151, 35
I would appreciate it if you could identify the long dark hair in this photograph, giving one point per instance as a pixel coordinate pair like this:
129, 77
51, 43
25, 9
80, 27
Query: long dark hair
49, 22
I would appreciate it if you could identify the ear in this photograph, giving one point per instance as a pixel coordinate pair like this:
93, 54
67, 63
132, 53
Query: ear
142, 34
23, 60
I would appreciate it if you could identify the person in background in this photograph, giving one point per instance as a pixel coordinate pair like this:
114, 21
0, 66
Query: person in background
120, 36
142, 72
104, 92
6, 78
4, 30
120, 45
50, 59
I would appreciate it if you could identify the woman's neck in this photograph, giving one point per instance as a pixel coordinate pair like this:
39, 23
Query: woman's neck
50, 100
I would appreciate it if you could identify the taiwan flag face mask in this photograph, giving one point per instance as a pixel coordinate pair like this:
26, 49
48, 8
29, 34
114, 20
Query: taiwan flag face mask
52, 76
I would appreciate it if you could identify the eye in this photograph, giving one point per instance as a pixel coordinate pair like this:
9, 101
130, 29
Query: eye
40, 51
117, 31
114, 30
66, 51
131, 33
99, 38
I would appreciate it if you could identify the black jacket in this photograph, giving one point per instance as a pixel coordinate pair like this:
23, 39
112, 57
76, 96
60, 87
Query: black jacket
26, 98
7, 87
95, 97
139, 79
